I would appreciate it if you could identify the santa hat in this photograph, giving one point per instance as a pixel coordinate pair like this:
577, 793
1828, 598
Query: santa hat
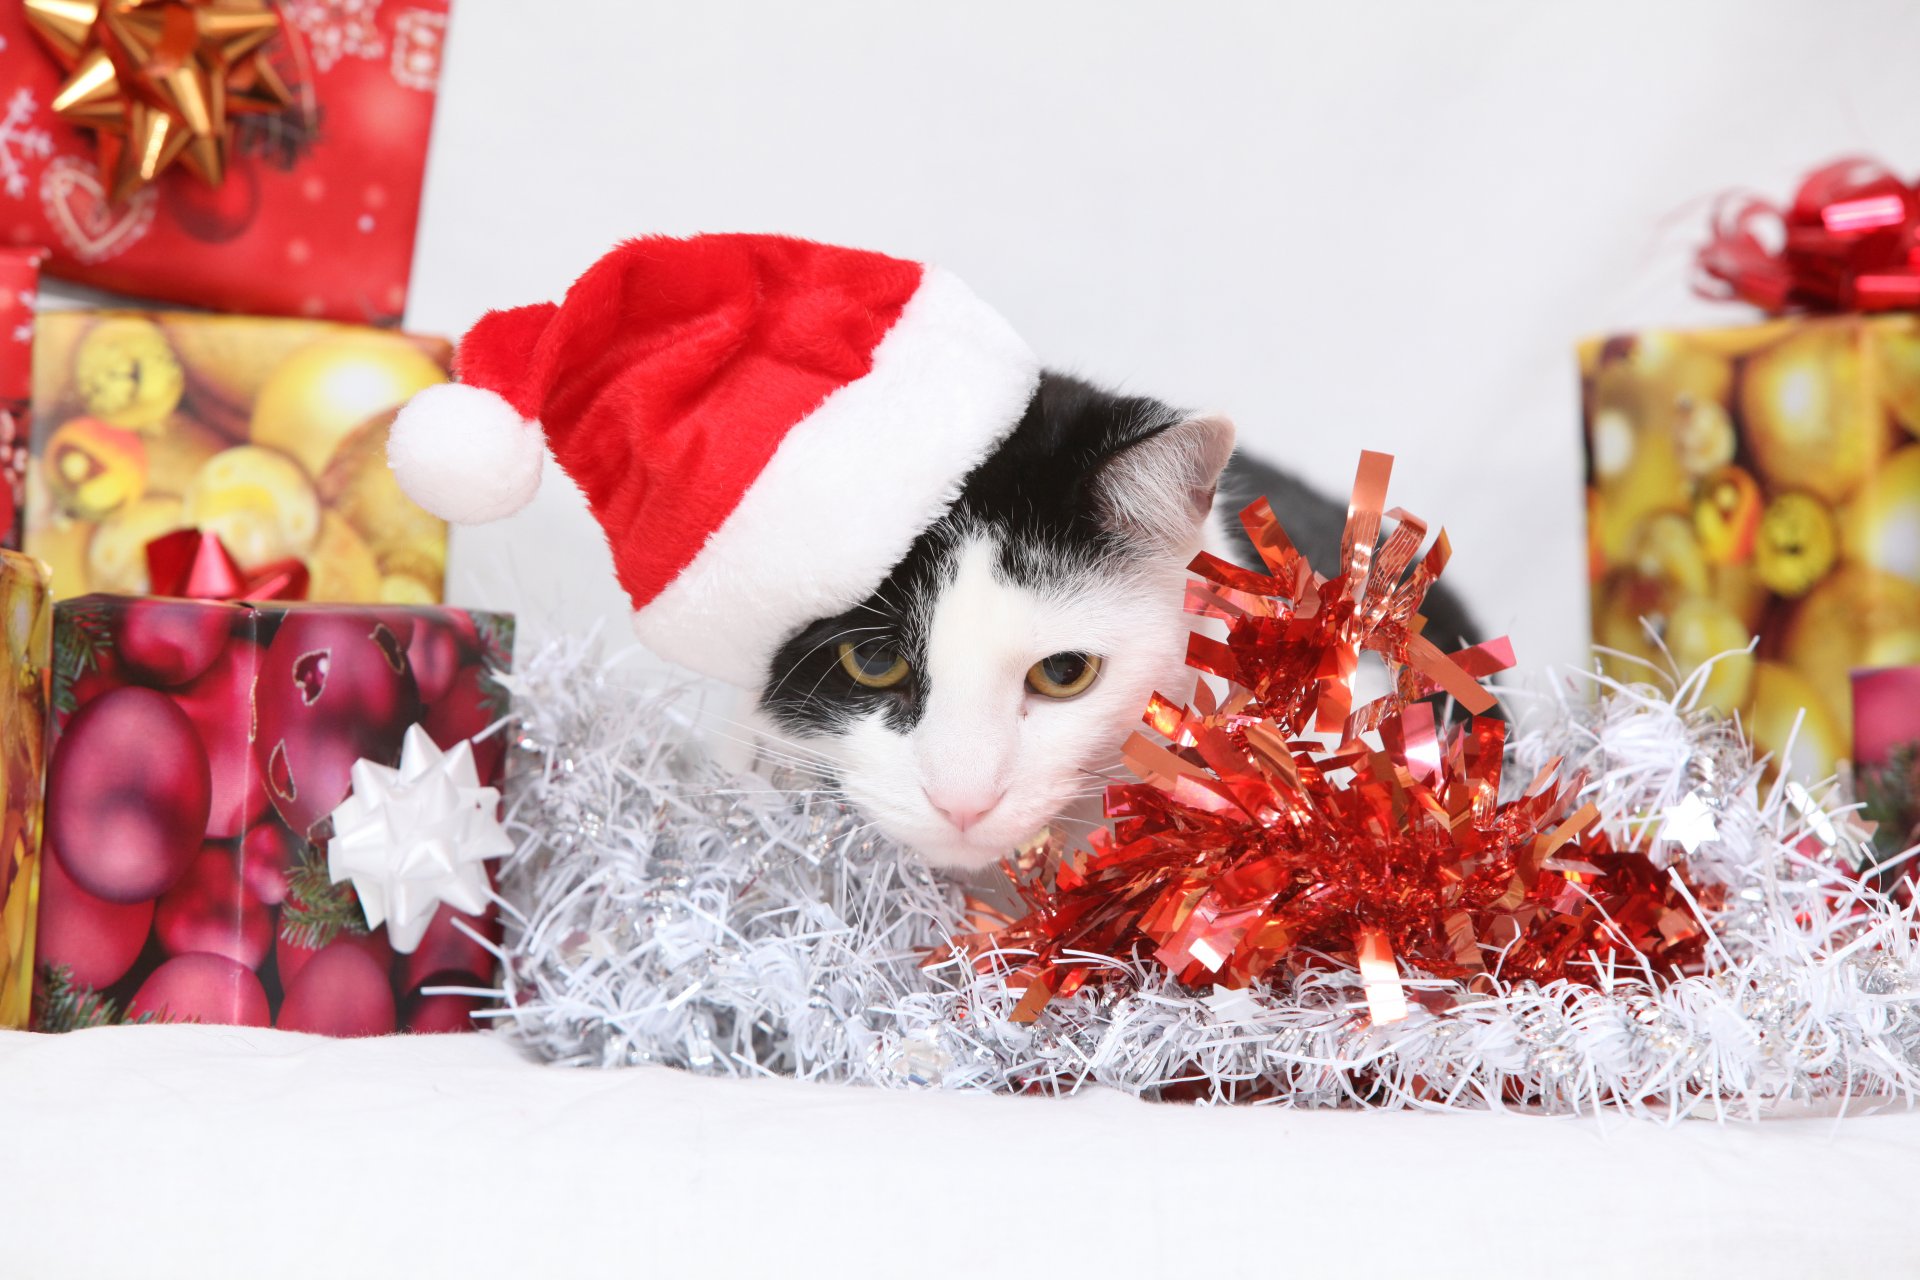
761, 425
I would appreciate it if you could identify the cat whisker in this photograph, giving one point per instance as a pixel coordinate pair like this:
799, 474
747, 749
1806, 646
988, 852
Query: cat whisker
764, 749
836, 636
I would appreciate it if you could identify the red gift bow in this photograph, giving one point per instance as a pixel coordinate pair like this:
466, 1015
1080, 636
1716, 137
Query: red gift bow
198, 566
1849, 242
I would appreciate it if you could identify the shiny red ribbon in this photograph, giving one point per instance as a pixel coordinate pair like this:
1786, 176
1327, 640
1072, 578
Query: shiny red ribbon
1850, 241
1249, 850
198, 566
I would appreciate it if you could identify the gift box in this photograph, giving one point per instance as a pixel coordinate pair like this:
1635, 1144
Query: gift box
268, 815
1758, 485
318, 169
268, 433
19, 287
26, 611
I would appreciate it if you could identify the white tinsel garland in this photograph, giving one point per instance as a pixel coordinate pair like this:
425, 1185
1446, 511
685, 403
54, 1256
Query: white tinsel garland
662, 909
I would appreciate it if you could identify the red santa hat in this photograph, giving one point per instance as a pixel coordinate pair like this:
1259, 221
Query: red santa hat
761, 425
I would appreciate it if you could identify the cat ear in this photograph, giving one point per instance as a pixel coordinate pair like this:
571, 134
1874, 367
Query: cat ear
1160, 488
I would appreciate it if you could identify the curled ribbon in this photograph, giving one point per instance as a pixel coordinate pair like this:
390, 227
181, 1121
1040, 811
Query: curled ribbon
1850, 241
198, 566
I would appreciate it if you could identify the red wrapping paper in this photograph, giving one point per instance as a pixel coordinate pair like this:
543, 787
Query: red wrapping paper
317, 212
197, 752
19, 286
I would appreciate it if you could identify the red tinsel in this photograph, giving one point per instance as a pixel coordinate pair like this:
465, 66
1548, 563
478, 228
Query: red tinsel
1246, 851
1849, 242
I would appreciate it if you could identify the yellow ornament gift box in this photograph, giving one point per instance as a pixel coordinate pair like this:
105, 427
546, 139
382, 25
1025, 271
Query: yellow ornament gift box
1759, 483
267, 433
26, 609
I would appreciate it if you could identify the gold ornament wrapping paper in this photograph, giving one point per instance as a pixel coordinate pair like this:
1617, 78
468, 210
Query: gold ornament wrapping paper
1761, 482
27, 610
270, 433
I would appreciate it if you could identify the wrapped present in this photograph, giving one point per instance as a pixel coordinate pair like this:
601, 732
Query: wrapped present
250, 156
268, 433
1759, 486
27, 610
269, 815
19, 287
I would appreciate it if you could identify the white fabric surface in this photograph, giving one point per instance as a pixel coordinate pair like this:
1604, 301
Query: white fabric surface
209, 1152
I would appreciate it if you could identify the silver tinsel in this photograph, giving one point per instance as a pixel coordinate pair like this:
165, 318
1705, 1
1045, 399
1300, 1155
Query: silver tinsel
662, 908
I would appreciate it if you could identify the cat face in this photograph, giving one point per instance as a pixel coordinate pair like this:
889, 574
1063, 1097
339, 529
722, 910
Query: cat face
984, 690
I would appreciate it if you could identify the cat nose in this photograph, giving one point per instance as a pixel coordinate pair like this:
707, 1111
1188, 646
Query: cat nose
962, 810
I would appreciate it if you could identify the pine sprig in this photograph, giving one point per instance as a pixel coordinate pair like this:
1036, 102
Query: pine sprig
496, 637
60, 1003
280, 139
82, 635
496, 648
317, 910
1891, 795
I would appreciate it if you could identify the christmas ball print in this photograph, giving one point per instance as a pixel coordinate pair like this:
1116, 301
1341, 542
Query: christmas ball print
1796, 544
230, 360
333, 689
340, 991
266, 855
326, 390
461, 712
1780, 697
127, 374
162, 642
256, 501
1699, 631
1893, 345
93, 469
1726, 515
116, 556
211, 910
98, 940
1881, 527
215, 213
445, 950
1856, 617
216, 702
202, 987
128, 792
291, 958
405, 541
342, 564
435, 655
1810, 422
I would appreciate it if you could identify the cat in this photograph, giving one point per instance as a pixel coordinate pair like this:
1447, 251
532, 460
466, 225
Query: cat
984, 690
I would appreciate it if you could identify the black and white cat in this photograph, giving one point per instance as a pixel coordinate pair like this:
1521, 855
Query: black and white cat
985, 689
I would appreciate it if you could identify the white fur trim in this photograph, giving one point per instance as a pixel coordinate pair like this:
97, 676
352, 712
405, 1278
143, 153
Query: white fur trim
464, 454
850, 487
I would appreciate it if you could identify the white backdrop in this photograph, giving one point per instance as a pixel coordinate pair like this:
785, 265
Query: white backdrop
1348, 225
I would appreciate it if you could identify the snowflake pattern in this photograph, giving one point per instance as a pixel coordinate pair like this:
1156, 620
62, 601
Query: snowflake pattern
337, 29
20, 140
417, 37
23, 332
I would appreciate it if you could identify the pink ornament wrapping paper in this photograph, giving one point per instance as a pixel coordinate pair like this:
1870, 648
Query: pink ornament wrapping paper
197, 752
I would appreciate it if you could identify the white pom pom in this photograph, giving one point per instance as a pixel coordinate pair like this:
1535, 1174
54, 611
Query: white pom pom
464, 454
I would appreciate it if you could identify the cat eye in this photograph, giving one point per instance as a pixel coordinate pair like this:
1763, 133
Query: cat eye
1063, 675
873, 665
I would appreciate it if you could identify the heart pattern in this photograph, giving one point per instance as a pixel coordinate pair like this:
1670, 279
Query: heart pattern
76, 205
